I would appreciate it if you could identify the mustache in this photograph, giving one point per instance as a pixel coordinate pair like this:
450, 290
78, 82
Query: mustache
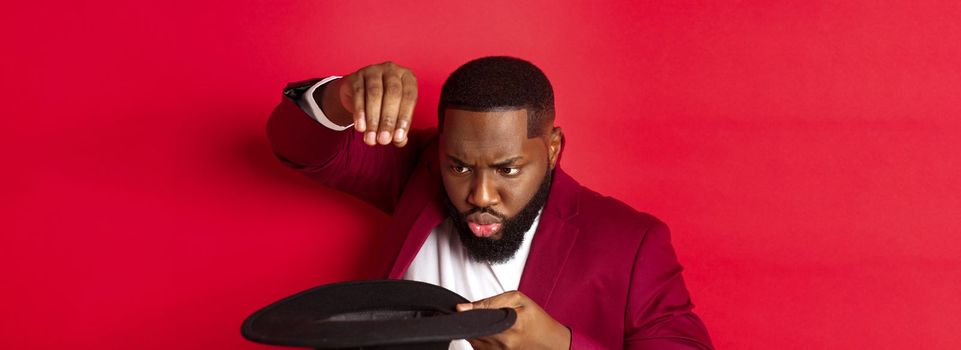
488, 210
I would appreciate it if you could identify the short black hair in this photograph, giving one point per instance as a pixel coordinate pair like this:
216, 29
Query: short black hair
497, 83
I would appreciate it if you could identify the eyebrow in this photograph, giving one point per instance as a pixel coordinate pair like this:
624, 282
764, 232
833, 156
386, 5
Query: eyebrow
502, 163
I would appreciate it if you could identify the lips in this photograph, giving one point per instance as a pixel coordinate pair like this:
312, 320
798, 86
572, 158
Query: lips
485, 231
483, 224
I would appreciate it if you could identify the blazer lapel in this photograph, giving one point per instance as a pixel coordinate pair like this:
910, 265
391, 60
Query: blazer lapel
426, 205
553, 240
430, 217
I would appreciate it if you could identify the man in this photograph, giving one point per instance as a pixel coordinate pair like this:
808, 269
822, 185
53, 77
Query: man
481, 206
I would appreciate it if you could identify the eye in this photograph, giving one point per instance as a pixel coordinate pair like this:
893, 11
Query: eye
509, 171
458, 169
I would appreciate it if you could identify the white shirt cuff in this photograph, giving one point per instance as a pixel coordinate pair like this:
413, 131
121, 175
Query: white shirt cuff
310, 106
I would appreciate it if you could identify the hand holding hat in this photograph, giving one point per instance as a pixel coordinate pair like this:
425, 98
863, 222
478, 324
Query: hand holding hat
534, 328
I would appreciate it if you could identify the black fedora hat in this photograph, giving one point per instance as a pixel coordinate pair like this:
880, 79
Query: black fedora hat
378, 314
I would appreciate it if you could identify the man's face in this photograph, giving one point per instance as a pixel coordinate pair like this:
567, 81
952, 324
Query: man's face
491, 172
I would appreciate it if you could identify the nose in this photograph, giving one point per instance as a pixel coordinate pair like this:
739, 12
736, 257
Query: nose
483, 192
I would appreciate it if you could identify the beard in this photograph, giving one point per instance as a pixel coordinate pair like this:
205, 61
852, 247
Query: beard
485, 249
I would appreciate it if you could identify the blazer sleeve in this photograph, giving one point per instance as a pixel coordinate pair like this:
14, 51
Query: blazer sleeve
340, 159
659, 311
583, 342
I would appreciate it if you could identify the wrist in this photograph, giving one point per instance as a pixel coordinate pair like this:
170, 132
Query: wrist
328, 97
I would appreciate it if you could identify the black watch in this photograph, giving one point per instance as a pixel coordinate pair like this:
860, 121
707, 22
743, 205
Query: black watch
297, 89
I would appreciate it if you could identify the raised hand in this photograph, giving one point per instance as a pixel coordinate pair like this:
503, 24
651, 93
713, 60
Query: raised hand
379, 99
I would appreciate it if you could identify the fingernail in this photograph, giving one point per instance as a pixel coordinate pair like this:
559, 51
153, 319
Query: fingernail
361, 123
369, 138
464, 307
384, 137
399, 135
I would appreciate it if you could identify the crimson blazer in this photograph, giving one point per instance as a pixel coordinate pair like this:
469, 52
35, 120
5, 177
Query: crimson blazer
596, 265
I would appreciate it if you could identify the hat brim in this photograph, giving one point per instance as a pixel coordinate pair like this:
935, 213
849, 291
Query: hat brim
378, 313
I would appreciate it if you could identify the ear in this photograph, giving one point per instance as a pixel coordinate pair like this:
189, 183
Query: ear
554, 146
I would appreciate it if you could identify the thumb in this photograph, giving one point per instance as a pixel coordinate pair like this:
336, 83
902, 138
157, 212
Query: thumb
493, 302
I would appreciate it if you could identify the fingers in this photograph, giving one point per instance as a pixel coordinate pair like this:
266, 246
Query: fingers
405, 109
357, 93
383, 99
512, 299
393, 89
374, 93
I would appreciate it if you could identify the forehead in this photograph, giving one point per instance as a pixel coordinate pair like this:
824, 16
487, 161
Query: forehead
489, 134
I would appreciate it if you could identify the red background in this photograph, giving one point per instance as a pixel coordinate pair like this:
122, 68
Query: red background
804, 153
